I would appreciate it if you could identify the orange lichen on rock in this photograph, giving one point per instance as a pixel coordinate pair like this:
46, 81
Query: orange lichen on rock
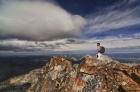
60, 61
80, 81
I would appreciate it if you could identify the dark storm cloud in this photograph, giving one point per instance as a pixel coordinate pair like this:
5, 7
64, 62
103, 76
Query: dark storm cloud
71, 40
63, 42
56, 45
26, 46
17, 49
8, 48
75, 41
30, 46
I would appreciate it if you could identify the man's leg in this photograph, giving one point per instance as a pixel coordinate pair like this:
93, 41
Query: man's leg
99, 58
102, 59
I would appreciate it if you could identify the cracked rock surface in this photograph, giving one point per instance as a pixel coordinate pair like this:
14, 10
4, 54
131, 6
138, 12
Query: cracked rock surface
59, 75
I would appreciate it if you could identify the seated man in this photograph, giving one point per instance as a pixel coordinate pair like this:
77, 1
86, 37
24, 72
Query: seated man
98, 52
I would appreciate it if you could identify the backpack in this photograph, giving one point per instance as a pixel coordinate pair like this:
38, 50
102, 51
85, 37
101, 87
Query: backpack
102, 49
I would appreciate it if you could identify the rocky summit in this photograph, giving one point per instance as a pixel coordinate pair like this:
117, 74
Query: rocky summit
59, 75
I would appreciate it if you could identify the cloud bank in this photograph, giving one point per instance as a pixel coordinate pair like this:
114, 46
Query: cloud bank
31, 46
112, 44
37, 20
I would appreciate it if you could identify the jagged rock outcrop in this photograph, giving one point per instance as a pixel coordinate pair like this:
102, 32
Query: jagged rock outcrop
59, 75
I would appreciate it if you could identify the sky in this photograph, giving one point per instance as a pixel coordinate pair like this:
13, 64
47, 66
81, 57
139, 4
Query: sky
69, 26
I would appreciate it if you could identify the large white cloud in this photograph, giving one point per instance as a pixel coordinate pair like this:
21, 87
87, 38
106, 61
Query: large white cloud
37, 20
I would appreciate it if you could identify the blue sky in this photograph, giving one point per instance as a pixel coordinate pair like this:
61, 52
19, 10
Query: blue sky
71, 26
